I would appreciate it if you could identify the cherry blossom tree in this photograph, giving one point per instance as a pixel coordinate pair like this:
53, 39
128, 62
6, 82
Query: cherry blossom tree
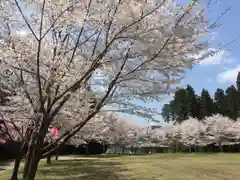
146, 138
91, 54
133, 133
119, 134
173, 135
217, 129
192, 132
129, 135
108, 129
99, 129
234, 132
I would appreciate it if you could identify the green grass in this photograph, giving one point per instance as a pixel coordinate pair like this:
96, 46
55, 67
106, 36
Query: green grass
150, 167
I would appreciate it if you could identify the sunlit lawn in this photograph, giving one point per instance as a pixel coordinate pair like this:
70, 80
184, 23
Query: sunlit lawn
150, 167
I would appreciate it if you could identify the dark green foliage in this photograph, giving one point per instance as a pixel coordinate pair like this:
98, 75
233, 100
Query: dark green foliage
206, 104
166, 112
231, 105
187, 104
238, 82
180, 104
219, 102
184, 104
192, 102
238, 94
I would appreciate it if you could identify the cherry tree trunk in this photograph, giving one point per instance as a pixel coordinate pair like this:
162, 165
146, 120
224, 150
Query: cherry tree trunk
195, 148
56, 156
87, 152
57, 152
16, 168
32, 160
177, 148
103, 148
33, 155
17, 163
33, 165
189, 148
115, 150
49, 159
123, 150
220, 147
28, 160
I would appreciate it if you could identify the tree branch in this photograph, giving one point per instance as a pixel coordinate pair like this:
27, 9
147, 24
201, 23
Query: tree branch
42, 109
68, 134
55, 20
166, 41
26, 21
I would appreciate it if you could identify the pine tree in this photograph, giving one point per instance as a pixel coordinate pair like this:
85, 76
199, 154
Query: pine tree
198, 98
166, 114
181, 105
169, 112
219, 102
206, 104
238, 94
238, 82
231, 102
173, 114
192, 102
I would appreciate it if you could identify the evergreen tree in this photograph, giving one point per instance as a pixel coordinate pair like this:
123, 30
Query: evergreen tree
166, 112
192, 102
238, 82
173, 114
238, 94
186, 103
231, 104
198, 98
206, 104
180, 104
219, 102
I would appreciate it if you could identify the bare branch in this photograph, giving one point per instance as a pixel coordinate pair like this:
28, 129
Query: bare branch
55, 21
26, 91
68, 134
26, 21
42, 109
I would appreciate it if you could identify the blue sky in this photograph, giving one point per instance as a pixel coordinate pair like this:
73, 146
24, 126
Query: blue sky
221, 70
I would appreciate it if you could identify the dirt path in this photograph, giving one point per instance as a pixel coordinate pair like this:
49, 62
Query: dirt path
6, 165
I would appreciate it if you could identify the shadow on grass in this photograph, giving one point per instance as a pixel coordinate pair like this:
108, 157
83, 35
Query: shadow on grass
81, 169
112, 155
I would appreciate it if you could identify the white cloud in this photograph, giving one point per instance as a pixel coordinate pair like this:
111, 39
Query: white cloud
229, 76
222, 57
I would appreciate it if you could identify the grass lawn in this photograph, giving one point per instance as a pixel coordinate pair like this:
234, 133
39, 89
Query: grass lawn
149, 167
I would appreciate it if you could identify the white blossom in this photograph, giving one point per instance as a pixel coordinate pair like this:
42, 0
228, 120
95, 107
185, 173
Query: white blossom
192, 132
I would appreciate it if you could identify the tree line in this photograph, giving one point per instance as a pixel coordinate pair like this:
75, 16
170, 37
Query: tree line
186, 103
